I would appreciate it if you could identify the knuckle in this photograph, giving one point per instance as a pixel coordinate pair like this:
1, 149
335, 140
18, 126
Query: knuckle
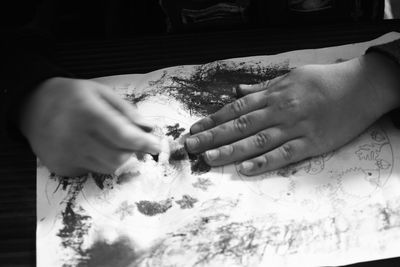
227, 150
262, 140
288, 104
242, 123
212, 121
122, 134
237, 107
210, 137
287, 152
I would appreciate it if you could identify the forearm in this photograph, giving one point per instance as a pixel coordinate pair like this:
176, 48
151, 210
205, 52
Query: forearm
386, 75
26, 62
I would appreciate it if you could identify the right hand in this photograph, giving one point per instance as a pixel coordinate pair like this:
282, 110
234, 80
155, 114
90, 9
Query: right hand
311, 110
78, 126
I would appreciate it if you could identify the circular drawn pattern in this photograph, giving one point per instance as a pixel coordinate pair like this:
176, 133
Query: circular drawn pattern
348, 175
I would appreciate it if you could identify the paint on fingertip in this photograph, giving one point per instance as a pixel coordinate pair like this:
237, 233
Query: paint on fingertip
246, 166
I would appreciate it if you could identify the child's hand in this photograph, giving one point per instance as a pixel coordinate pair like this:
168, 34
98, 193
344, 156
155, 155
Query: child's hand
75, 126
309, 111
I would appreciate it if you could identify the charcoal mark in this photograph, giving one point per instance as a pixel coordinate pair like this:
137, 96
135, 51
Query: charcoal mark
178, 155
75, 227
118, 254
339, 60
134, 99
187, 202
152, 208
202, 183
210, 86
103, 180
125, 209
287, 171
155, 157
64, 182
75, 224
175, 130
198, 165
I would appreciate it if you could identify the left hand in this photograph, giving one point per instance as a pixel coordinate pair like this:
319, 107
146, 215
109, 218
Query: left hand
309, 111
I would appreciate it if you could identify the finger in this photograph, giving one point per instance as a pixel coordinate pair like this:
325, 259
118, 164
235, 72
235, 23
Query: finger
245, 89
126, 109
92, 164
231, 111
231, 131
250, 147
110, 157
289, 152
117, 131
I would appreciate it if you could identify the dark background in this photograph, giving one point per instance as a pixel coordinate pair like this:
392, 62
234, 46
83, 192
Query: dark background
99, 38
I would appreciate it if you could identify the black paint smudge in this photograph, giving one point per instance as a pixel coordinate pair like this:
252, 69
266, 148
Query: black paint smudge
63, 181
198, 164
75, 227
152, 208
187, 202
155, 157
102, 180
178, 155
287, 171
75, 223
134, 99
175, 130
210, 86
118, 254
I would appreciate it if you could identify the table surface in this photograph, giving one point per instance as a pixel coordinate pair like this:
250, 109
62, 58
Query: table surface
140, 55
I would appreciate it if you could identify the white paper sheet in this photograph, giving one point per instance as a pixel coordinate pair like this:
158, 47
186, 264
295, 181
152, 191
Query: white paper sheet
338, 208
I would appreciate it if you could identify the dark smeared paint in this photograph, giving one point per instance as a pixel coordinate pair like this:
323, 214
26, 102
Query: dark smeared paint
152, 208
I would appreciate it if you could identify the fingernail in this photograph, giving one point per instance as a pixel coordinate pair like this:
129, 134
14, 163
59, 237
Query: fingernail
237, 91
212, 154
226, 150
246, 166
192, 142
196, 128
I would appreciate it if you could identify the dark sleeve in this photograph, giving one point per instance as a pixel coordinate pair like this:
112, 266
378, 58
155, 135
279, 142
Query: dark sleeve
392, 51
26, 61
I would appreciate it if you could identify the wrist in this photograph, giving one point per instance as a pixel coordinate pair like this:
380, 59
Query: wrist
34, 105
383, 77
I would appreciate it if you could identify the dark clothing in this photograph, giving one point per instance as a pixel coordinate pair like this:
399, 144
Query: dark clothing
26, 62
26, 59
391, 50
